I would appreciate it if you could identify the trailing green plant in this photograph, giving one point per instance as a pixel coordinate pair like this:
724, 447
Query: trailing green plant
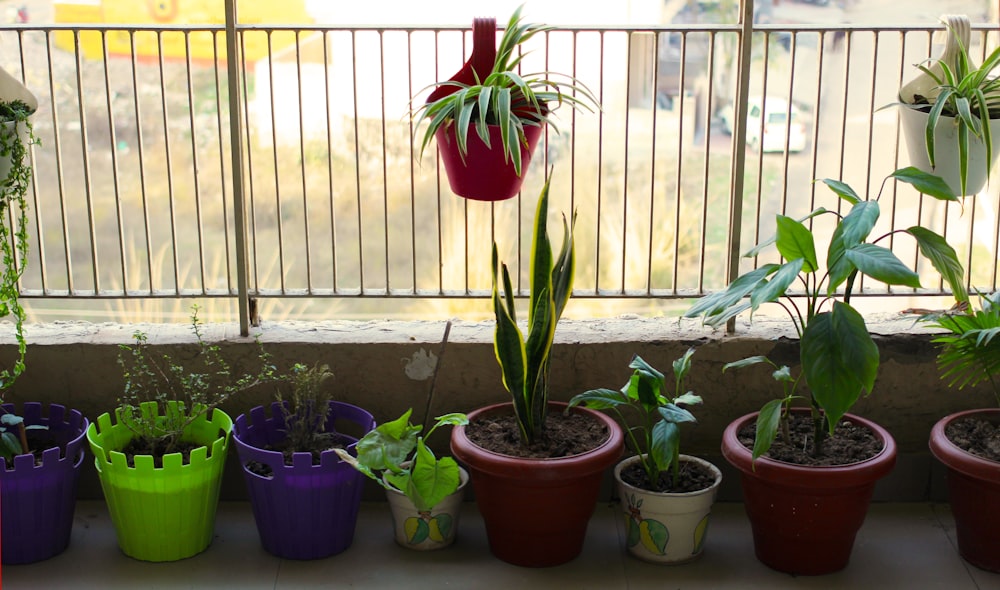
504, 97
307, 407
524, 362
838, 357
394, 455
181, 392
969, 93
970, 350
16, 138
656, 438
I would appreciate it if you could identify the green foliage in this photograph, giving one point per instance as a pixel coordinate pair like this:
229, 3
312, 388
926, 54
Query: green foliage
394, 455
505, 97
307, 407
16, 138
658, 440
968, 93
525, 362
182, 392
839, 360
970, 351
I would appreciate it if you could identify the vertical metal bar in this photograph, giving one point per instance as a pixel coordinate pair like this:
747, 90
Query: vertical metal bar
279, 225
222, 163
168, 163
385, 167
114, 169
600, 171
413, 188
329, 161
625, 233
250, 207
652, 166
302, 164
679, 165
195, 168
85, 149
236, 146
739, 147
357, 160
707, 167
142, 161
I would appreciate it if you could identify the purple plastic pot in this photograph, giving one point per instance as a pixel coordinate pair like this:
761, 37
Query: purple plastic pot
303, 511
37, 502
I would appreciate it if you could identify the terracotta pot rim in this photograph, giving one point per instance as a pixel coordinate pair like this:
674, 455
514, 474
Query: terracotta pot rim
874, 467
957, 458
598, 458
629, 460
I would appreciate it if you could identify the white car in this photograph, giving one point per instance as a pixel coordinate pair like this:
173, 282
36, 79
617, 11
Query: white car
781, 121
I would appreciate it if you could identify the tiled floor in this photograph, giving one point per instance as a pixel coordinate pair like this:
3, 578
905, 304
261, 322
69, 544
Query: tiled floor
900, 546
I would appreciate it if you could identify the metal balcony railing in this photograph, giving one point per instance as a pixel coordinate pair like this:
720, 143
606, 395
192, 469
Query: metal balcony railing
141, 127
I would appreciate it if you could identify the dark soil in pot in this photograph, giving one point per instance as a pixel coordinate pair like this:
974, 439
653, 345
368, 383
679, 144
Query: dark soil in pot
317, 445
850, 443
691, 477
40, 441
976, 436
564, 435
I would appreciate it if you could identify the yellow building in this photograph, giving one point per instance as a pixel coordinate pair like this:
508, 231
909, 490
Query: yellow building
204, 45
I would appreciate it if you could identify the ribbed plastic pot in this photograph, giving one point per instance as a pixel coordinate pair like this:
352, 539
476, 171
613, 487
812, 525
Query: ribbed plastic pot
974, 493
303, 511
38, 501
805, 519
427, 530
484, 174
666, 528
536, 511
162, 513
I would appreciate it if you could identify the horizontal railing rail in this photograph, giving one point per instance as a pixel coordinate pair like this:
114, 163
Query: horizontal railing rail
134, 200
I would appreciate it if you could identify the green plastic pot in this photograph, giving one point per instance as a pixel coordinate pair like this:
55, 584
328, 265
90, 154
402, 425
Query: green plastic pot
162, 513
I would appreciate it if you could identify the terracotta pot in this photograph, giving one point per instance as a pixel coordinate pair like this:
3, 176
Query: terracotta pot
804, 519
536, 510
974, 493
484, 174
666, 528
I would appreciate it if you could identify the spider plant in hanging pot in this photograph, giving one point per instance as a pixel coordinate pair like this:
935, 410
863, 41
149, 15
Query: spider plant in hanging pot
950, 113
489, 117
536, 491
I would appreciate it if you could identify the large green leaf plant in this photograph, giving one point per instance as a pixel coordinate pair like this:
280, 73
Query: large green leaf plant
838, 358
524, 362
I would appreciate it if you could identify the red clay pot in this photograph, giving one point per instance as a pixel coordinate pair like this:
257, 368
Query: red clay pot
974, 492
536, 510
804, 519
484, 175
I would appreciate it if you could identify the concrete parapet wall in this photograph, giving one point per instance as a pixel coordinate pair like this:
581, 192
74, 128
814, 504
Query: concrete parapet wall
386, 367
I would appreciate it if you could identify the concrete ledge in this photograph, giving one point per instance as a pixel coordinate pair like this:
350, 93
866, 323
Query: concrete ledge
386, 367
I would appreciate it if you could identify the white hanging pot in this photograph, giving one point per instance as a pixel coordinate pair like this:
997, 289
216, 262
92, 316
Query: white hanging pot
914, 124
11, 90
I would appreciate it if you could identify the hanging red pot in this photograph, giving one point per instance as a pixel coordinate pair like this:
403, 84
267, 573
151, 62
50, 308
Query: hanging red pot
484, 174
